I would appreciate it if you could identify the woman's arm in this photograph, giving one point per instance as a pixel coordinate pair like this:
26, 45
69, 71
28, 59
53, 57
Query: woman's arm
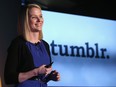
10, 70
35, 72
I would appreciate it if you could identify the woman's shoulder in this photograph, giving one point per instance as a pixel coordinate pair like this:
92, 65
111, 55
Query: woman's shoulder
18, 40
16, 43
45, 42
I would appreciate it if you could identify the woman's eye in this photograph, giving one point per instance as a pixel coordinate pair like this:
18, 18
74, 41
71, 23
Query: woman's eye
34, 17
41, 16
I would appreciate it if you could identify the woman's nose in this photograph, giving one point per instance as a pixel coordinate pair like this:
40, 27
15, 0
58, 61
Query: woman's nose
38, 19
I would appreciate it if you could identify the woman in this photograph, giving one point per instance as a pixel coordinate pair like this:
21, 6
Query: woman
28, 54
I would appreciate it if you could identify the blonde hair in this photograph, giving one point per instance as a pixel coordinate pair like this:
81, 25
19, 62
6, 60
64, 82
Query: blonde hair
23, 24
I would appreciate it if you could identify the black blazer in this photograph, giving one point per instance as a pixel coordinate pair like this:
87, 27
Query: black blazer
19, 59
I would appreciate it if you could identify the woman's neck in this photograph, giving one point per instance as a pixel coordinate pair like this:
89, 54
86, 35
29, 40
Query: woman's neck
34, 37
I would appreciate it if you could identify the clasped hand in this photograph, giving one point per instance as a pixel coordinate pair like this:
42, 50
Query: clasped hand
53, 75
43, 70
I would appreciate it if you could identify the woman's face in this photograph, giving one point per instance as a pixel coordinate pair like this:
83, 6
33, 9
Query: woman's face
35, 19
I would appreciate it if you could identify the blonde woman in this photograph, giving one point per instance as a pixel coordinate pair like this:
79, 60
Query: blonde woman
28, 53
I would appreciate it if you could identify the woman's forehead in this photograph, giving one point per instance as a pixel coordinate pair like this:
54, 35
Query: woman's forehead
35, 10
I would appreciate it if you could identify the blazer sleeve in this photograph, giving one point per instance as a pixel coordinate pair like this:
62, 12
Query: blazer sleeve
10, 72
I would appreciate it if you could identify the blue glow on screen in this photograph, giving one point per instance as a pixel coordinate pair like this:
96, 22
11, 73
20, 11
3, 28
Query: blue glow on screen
74, 30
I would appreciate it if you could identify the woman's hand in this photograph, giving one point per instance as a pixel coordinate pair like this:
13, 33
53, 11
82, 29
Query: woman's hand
55, 76
43, 70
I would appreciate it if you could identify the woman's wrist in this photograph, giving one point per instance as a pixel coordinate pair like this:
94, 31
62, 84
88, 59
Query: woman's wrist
35, 72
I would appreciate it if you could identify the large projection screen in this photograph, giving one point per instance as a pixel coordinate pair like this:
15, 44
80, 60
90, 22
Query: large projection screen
83, 49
